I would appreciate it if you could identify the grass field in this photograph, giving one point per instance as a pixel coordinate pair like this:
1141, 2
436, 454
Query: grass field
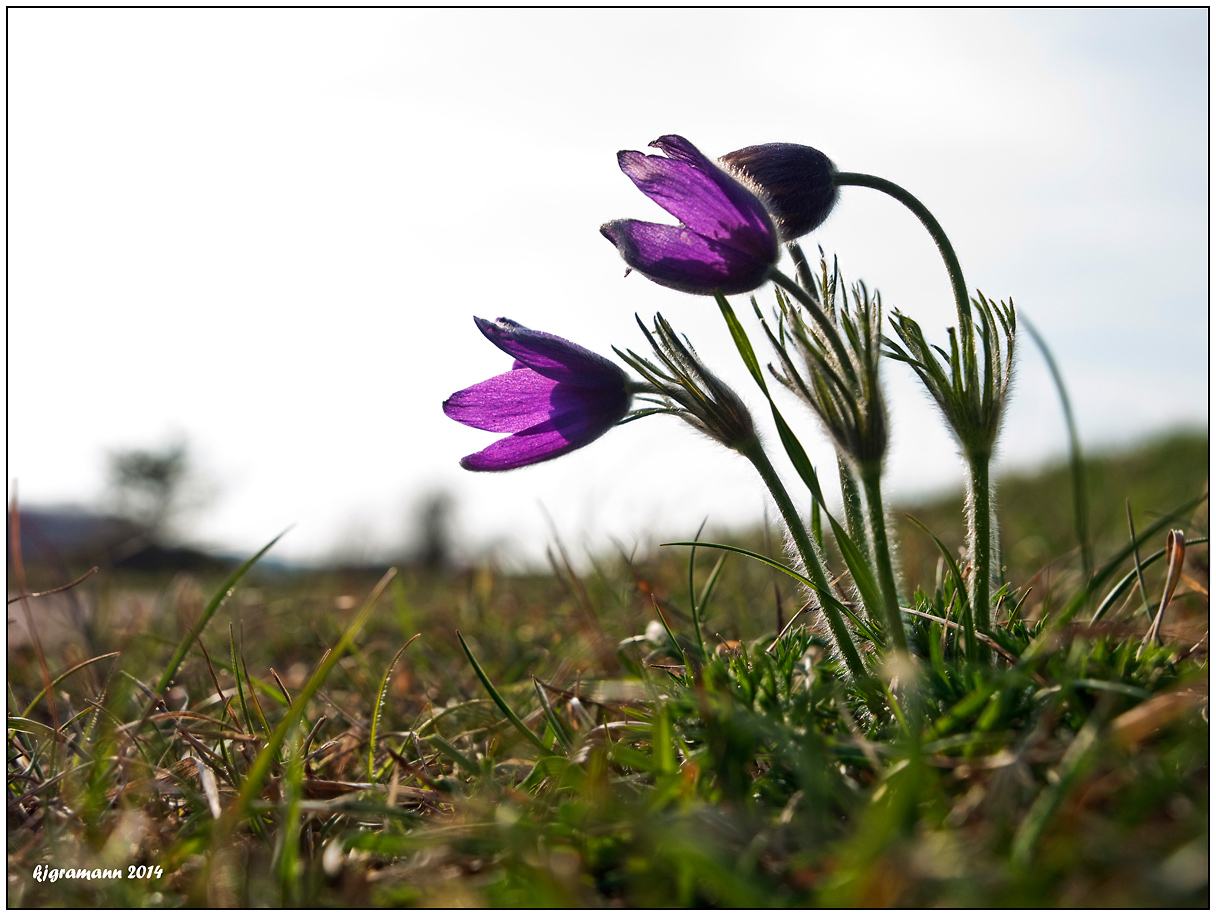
586, 739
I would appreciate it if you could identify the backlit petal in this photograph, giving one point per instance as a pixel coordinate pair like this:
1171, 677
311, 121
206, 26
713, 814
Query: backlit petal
677, 257
539, 443
513, 401
550, 355
727, 241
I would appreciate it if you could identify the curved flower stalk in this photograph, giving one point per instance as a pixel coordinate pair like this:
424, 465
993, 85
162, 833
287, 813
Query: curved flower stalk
796, 183
684, 387
726, 241
789, 179
929, 221
971, 388
972, 405
558, 397
799, 185
836, 373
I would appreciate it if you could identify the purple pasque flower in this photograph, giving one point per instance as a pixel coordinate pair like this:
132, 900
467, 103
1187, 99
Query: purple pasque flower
558, 397
726, 241
796, 182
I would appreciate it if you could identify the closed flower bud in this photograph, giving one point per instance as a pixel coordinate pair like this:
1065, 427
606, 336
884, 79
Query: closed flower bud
796, 183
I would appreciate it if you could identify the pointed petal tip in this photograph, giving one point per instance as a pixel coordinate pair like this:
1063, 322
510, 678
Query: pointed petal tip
669, 140
629, 161
470, 463
485, 460
498, 329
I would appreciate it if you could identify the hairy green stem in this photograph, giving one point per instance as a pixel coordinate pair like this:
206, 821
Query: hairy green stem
871, 476
754, 453
955, 270
979, 532
854, 516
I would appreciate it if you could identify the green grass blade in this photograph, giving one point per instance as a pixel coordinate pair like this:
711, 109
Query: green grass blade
55, 681
752, 554
1136, 566
742, 343
960, 589
33, 727
859, 569
236, 672
662, 743
260, 769
671, 635
212, 606
1076, 464
288, 867
253, 695
692, 591
500, 701
707, 590
1121, 586
1081, 598
469, 766
1076, 761
559, 728
826, 597
381, 694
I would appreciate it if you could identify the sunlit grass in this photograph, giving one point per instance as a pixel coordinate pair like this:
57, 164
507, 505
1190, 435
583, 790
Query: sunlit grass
645, 760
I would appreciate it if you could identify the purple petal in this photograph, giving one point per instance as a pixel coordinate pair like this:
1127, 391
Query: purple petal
556, 398
742, 197
525, 448
563, 433
550, 355
683, 191
508, 403
702, 196
681, 259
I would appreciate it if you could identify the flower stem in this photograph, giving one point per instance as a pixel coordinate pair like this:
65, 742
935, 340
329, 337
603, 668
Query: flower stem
754, 453
930, 222
979, 531
854, 517
871, 475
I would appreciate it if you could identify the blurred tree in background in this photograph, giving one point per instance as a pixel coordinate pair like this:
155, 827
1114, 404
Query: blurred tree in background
146, 486
433, 524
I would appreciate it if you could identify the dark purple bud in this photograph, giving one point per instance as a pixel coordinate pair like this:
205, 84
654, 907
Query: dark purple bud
795, 182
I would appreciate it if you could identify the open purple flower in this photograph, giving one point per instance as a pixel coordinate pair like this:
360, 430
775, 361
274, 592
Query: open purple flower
558, 397
796, 182
726, 241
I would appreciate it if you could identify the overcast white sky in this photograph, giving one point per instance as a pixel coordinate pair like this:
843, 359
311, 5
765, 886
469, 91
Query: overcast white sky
268, 231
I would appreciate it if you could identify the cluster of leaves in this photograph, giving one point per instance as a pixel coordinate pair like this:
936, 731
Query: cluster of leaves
594, 739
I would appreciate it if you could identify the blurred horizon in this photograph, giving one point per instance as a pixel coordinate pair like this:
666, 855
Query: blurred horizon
264, 234
105, 531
